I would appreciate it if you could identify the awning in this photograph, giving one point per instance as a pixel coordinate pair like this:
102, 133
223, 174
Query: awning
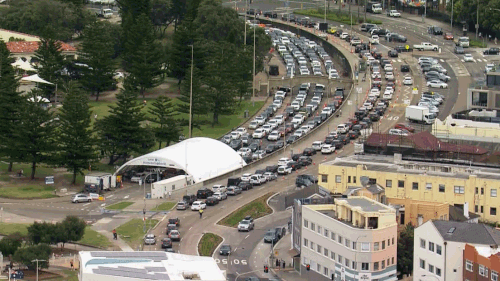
37, 79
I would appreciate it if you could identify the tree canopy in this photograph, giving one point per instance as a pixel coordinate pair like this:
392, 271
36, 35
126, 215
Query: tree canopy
405, 250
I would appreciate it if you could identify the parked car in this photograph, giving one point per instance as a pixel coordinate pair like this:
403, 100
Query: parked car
150, 239
327, 149
181, 205
271, 236
220, 195
245, 225
204, 193
198, 205
245, 185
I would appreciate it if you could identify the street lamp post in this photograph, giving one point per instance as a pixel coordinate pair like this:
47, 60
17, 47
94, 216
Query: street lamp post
246, 10
37, 260
325, 12
452, 4
253, 72
191, 92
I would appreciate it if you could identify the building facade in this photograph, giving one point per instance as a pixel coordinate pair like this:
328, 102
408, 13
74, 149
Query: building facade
439, 248
417, 180
481, 263
353, 239
418, 212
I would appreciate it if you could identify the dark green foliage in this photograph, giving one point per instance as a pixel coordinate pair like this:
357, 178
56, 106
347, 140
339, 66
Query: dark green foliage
163, 115
51, 63
405, 250
97, 51
75, 136
71, 229
26, 255
10, 244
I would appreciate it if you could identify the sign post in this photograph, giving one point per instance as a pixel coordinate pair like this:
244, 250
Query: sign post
49, 180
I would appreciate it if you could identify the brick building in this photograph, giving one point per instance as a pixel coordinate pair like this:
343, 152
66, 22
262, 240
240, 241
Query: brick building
481, 263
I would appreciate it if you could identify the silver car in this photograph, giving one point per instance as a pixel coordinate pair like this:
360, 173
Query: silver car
245, 225
79, 198
150, 239
181, 205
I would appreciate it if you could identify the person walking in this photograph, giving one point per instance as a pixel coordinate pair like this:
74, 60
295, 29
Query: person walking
72, 265
201, 213
115, 236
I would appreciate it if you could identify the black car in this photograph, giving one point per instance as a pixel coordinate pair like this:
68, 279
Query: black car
302, 182
405, 68
260, 172
295, 157
170, 227
233, 181
236, 144
380, 32
392, 53
374, 117
491, 51
211, 201
403, 49
323, 116
270, 148
291, 139
294, 165
353, 134
247, 159
270, 14
338, 32
309, 151
225, 250
344, 139
329, 140
435, 30
254, 146
272, 169
245, 185
279, 144
204, 193
309, 177
338, 144
189, 199
305, 161
280, 231
166, 243
175, 221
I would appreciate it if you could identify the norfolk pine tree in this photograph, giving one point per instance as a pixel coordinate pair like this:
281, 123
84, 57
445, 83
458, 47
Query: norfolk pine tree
10, 106
405, 250
163, 115
96, 51
75, 136
51, 63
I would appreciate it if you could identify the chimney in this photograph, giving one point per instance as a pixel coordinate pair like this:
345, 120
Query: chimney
466, 209
364, 181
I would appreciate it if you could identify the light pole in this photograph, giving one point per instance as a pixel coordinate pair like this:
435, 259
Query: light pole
37, 260
477, 18
356, 254
253, 72
452, 4
325, 11
191, 92
246, 10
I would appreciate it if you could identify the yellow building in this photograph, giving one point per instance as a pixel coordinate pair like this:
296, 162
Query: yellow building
475, 187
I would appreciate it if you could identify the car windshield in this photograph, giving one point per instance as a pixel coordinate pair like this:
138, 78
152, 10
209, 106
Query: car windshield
225, 247
244, 222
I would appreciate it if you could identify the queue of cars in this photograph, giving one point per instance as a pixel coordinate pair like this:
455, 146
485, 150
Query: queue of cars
172, 235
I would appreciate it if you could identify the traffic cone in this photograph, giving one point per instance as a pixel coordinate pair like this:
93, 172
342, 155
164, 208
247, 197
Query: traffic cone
325, 158
283, 177
296, 171
314, 163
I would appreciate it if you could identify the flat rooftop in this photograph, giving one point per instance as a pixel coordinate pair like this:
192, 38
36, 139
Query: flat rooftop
365, 204
384, 163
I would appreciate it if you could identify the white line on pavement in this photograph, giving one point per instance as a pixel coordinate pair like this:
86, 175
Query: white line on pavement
111, 195
442, 60
247, 236
126, 197
190, 228
85, 204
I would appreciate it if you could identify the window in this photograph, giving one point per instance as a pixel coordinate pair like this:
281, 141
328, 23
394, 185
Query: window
431, 246
338, 179
431, 268
438, 271
365, 246
441, 188
438, 249
388, 262
392, 241
318, 267
353, 265
477, 190
428, 186
422, 243
332, 255
340, 239
332, 235
422, 264
306, 223
388, 183
375, 265
347, 243
388, 242
482, 270
340, 259
353, 245
325, 252
325, 271
324, 178
383, 264
348, 179
326, 232
312, 245
392, 260
372, 181
318, 248
494, 275
383, 245
476, 209
482, 190
376, 246
365, 266
319, 229
493, 193
347, 262
414, 186
313, 226
306, 242
469, 266
493, 211
401, 183
459, 189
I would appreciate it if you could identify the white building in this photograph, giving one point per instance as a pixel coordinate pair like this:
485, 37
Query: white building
146, 266
439, 247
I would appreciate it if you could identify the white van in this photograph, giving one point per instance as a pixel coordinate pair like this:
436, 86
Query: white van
257, 179
342, 128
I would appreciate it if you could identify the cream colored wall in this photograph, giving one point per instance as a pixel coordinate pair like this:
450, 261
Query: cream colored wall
429, 210
422, 194
5, 35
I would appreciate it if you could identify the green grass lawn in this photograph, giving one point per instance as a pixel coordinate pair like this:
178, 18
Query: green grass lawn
28, 191
208, 244
226, 123
119, 205
257, 208
41, 170
343, 17
166, 206
10, 228
70, 275
94, 238
132, 231
477, 43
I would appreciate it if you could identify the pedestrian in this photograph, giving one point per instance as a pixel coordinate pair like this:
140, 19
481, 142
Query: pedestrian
489, 37
72, 265
480, 35
201, 213
277, 263
169, 194
115, 236
283, 263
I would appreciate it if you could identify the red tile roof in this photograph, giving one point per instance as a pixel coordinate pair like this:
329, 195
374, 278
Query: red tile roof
31, 46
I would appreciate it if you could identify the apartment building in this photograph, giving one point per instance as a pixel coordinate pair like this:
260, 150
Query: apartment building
353, 239
439, 248
481, 263
418, 180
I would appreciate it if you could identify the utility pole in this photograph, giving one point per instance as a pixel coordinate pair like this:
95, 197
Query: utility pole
477, 18
366, 3
246, 10
37, 260
452, 15
253, 73
191, 92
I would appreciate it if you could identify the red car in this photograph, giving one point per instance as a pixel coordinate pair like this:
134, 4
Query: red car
448, 36
404, 127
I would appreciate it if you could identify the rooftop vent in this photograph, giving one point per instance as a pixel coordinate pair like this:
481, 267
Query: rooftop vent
451, 230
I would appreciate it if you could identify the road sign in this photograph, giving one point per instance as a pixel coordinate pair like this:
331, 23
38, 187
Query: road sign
349, 102
49, 180
407, 47
275, 253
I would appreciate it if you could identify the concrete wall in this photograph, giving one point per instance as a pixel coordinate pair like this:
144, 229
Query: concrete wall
428, 232
428, 210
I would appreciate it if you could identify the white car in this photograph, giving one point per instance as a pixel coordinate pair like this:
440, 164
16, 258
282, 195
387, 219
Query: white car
316, 99
220, 196
257, 179
274, 136
242, 131
305, 72
298, 119
284, 170
280, 94
388, 68
468, 58
258, 134
198, 205
344, 35
317, 145
267, 128
327, 149
389, 89
375, 91
387, 96
235, 135
394, 13
342, 128
299, 133
277, 103
374, 39
279, 119
408, 80
219, 188
295, 105
244, 151
79, 198
253, 125
284, 161
489, 67
260, 120
327, 110
305, 129
368, 105
246, 177
427, 59
397, 132
389, 76
437, 84
376, 75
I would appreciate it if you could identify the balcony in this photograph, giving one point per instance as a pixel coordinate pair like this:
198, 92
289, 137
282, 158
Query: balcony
359, 224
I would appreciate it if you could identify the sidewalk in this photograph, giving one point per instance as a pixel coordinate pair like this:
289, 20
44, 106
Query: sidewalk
286, 253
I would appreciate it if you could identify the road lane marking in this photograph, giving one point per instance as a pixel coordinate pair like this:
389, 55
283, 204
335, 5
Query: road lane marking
85, 204
126, 197
247, 236
190, 228
442, 60
111, 196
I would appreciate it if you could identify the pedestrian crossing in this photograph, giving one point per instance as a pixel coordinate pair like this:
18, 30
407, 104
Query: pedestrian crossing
397, 60
475, 60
